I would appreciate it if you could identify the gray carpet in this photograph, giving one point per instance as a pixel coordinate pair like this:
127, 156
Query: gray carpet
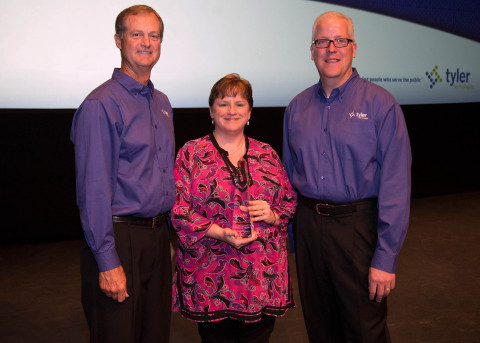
436, 299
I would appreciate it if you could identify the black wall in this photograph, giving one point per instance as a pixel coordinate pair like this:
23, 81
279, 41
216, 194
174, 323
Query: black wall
38, 172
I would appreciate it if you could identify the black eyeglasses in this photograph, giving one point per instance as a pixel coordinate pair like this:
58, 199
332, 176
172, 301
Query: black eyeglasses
325, 43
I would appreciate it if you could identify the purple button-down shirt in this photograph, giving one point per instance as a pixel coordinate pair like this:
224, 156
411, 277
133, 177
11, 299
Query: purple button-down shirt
351, 146
124, 157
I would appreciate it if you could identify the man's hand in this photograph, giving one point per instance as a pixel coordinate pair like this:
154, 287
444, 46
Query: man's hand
380, 283
113, 283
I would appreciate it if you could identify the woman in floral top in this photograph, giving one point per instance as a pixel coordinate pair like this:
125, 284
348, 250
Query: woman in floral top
233, 205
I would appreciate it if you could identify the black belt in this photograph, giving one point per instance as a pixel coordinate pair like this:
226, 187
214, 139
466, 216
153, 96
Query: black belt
334, 208
153, 223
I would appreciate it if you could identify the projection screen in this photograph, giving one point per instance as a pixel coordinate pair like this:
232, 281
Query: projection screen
55, 52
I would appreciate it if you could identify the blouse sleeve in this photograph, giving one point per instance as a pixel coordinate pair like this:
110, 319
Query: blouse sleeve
285, 204
189, 225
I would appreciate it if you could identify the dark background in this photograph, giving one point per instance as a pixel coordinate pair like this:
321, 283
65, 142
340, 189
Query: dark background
39, 176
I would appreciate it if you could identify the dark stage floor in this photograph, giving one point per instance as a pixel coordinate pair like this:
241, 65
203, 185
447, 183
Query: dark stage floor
437, 297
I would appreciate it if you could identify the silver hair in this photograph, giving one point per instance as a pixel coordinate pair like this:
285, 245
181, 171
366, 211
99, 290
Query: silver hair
333, 14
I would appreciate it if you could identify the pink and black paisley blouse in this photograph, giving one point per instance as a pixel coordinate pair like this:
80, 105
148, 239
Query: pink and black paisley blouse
213, 280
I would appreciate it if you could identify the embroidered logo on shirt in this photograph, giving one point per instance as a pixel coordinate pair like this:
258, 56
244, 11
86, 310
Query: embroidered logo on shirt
358, 115
165, 112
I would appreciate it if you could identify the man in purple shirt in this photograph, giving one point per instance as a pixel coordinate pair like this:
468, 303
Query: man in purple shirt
124, 156
347, 153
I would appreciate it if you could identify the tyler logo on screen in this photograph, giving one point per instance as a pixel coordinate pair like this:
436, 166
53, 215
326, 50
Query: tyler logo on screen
454, 78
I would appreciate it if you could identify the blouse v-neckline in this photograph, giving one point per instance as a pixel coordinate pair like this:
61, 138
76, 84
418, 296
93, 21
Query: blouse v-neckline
240, 174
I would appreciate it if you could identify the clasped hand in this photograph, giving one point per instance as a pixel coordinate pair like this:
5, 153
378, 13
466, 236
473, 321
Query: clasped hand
259, 210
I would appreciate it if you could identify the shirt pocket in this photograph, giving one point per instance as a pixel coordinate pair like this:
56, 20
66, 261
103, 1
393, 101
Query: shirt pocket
356, 141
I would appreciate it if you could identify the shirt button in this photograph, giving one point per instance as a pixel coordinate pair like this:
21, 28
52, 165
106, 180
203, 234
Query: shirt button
324, 153
322, 177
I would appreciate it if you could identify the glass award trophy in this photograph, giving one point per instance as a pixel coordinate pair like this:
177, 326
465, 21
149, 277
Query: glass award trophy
242, 221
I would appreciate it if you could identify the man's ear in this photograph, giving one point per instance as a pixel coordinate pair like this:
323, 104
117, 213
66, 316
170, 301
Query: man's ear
118, 41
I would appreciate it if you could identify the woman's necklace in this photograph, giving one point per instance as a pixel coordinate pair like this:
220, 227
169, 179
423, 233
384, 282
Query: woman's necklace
231, 152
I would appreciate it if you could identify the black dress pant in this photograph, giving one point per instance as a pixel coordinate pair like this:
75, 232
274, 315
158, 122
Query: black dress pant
145, 315
333, 256
234, 331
